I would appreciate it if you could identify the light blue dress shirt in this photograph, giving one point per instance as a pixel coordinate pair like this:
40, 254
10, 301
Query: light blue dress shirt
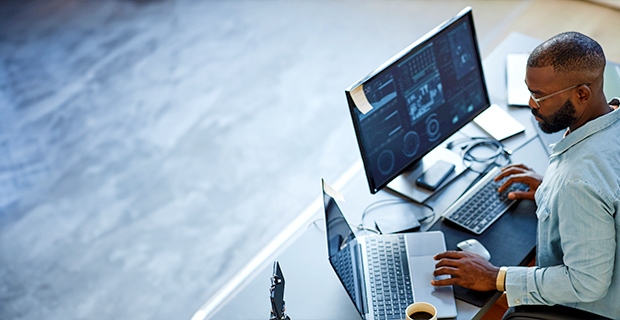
578, 259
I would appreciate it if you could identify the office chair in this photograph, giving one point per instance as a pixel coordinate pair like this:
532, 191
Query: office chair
556, 312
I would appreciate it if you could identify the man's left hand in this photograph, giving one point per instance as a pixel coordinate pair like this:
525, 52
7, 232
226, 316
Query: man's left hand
467, 269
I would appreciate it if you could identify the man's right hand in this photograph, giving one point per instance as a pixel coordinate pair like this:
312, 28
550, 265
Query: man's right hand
523, 174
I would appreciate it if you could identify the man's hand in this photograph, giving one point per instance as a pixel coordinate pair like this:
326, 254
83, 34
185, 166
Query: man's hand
467, 269
523, 174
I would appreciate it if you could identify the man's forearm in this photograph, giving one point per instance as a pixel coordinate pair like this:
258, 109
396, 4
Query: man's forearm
549, 286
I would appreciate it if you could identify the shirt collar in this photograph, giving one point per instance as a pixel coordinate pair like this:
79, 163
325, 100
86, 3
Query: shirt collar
585, 131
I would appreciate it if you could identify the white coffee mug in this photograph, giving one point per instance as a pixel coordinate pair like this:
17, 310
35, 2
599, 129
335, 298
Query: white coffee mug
421, 310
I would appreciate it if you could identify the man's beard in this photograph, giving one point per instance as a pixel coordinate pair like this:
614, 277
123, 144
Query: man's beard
561, 119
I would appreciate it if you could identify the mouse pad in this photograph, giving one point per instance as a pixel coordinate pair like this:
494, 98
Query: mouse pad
511, 241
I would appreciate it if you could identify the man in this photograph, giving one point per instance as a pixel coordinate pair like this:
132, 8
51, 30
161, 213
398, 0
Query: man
578, 256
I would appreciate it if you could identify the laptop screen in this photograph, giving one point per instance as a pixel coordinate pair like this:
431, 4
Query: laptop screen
343, 252
337, 228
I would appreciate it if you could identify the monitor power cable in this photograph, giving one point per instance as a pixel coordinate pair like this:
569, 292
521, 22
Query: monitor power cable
387, 202
469, 144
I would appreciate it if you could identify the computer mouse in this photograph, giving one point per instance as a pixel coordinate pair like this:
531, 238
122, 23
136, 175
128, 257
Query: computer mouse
474, 246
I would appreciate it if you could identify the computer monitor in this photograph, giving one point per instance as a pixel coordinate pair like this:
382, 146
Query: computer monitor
417, 99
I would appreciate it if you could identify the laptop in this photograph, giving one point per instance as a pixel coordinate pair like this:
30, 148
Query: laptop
383, 274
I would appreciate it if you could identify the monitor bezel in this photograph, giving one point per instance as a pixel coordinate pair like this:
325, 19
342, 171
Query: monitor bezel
466, 14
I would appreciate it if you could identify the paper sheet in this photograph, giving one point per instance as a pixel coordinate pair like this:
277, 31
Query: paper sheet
518, 93
359, 98
332, 192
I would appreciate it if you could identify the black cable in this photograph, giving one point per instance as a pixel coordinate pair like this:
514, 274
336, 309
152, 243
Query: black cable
315, 221
375, 204
463, 140
471, 143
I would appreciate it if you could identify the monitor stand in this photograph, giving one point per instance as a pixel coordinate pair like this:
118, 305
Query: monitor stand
405, 184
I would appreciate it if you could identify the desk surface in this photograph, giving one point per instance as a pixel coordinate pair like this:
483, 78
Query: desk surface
312, 289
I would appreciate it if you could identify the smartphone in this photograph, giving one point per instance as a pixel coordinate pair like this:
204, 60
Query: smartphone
435, 175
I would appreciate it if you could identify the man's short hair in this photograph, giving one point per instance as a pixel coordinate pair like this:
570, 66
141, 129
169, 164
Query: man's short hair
569, 52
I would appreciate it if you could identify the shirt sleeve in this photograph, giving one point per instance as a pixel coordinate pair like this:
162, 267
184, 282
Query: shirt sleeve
587, 238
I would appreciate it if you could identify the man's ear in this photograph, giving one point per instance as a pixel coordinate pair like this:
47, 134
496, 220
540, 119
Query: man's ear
584, 93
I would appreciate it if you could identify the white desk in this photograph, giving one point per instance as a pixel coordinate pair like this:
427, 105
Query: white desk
312, 289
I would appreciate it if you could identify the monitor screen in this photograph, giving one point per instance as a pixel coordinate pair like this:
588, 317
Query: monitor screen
417, 99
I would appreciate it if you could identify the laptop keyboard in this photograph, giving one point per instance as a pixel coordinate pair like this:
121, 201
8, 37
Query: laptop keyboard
344, 267
390, 282
482, 205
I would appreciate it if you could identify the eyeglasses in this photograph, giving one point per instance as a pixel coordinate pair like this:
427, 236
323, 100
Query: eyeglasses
538, 100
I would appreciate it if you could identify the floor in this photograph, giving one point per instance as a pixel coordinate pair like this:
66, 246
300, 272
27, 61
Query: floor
149, 148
